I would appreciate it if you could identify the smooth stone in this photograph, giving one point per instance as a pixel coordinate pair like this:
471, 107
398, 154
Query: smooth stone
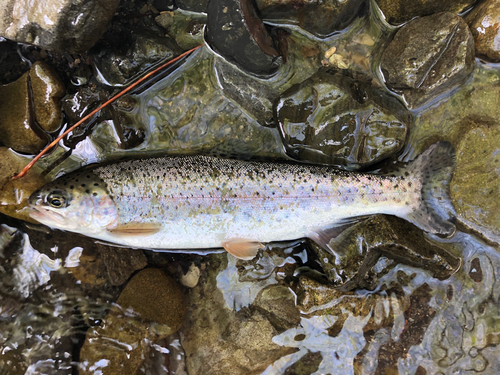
484, 23
14, 194
277, 303
16, 123
121, 263
332, 119
321, 18
47, 89
68, 26
475, 187
397, 12
428, 57
156, 297
149, 308
235, 31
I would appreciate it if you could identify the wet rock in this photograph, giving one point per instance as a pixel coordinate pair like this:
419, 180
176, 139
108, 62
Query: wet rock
223, 339
319, 18
12, 66
336, 120
90, 269
129, 53
475, 187
17, 128
277, 303
484, 22
151, 308
121, 262
365, 252
193, 5
14, 194
428, 57
47, 90
235, 31
156, 297
66, 26
397, 12
255, 95
186, 28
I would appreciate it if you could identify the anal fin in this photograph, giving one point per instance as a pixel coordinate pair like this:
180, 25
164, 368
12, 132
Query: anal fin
242, 249
135, 229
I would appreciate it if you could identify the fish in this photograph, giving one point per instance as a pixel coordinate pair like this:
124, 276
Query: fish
204, 202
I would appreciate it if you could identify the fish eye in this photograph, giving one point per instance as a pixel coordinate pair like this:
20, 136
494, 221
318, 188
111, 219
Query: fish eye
56, 200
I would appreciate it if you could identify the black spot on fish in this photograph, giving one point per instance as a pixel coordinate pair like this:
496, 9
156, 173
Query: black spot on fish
82, 185
94, 194
71, 187
87, 191
96, 184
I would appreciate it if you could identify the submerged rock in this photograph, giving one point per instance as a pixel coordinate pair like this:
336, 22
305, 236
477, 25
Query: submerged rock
128, 54
121, 263
475, 187
17, 127
397, 12
235, 31
71, 26
365, 252
47, 89
151, 308
484, 22
428, 57
223, 337
186, 28
333, 119
29, 107
321, 18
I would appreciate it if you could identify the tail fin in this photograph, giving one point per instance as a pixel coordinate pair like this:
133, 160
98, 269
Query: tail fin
434, 167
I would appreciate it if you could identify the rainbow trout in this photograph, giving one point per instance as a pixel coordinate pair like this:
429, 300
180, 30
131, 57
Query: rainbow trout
197, 202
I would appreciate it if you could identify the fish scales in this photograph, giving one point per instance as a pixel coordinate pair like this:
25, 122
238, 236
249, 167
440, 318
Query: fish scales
204, 202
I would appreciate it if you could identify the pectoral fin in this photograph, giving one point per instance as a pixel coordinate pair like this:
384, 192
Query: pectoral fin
135, 229
242, 249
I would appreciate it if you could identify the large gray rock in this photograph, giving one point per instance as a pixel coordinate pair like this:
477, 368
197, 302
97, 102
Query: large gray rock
428, 57
333, 119
59, 25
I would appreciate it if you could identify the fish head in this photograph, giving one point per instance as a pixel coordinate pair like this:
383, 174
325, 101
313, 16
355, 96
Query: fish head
77, 202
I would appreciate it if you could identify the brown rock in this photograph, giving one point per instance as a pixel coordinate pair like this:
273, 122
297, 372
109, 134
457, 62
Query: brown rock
156, 297
484, 22
47, 90
397, 12
151, 307
121, 262
475, 187
428, 57
16, 124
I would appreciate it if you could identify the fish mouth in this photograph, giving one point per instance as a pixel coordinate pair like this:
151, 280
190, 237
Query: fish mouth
46, 216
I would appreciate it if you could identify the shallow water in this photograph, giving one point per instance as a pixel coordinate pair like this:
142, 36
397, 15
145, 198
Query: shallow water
411, 323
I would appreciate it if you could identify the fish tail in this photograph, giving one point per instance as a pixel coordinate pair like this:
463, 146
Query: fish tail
434, 168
